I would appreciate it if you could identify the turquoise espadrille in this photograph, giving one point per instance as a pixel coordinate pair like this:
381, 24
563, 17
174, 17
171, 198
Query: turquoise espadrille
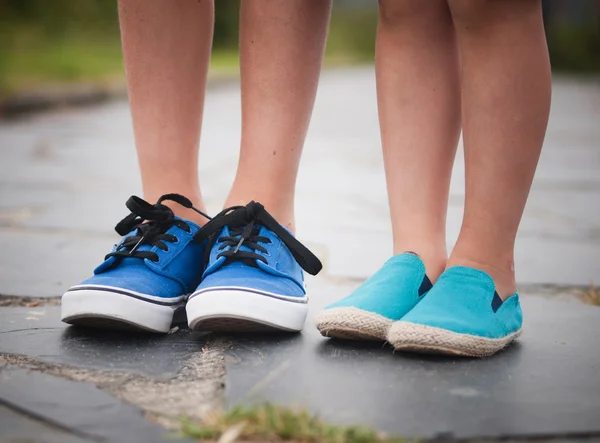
462, 315
368, 312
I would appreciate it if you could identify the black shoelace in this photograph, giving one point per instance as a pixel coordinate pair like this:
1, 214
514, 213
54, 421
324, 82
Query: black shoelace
152, 222
244, 223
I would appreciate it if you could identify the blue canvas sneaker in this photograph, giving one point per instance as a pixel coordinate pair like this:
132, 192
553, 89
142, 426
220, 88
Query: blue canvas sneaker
253, 279
462, 315
146, 277
388, 295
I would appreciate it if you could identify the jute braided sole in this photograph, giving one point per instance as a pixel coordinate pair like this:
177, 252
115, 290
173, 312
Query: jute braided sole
353, 324
405, 336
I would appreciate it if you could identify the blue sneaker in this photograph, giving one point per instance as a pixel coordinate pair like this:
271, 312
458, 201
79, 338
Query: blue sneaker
253, 279
146, 277
462, 315
388, 295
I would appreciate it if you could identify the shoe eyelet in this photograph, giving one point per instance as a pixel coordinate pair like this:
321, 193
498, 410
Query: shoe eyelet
155, 260
167, 249
176, 240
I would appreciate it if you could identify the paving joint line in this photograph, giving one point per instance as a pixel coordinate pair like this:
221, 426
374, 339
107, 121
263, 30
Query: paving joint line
196, 390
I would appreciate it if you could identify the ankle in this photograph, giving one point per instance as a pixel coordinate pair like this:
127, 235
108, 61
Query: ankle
190, 214
434, 261
284, 214
501, 271
180, 211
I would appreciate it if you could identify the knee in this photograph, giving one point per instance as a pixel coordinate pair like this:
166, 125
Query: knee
398, 11
472, 14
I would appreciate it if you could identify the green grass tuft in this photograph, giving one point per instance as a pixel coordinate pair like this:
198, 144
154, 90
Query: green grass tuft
269, 423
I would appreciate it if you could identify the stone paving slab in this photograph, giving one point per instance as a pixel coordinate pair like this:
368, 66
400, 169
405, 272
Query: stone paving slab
78, 409
32, 267
546, 384
16, 427
39, 333
64, 178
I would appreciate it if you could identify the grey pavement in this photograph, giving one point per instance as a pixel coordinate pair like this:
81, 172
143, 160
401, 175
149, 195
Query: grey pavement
75, 408
545, 385
64, 178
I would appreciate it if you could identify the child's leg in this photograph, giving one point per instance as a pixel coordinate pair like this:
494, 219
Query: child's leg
282, 44
254, 276
418, 84
506, 100
166, 47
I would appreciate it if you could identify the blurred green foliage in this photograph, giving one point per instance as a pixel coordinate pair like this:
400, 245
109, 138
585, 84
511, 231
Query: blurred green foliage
53, 41
352, 35
574, 48
573, 34
48, 41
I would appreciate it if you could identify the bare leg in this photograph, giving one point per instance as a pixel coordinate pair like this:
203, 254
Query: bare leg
506, 101
282, 44
166, 46
418, 84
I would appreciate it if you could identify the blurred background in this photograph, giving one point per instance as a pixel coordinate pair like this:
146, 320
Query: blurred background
60, 41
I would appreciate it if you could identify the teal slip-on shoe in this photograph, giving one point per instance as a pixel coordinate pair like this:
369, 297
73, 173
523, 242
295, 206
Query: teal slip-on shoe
462, 315
388, 295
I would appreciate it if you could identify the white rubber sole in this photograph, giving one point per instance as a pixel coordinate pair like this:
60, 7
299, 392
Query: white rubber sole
411, 337
102, 307
243, 309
